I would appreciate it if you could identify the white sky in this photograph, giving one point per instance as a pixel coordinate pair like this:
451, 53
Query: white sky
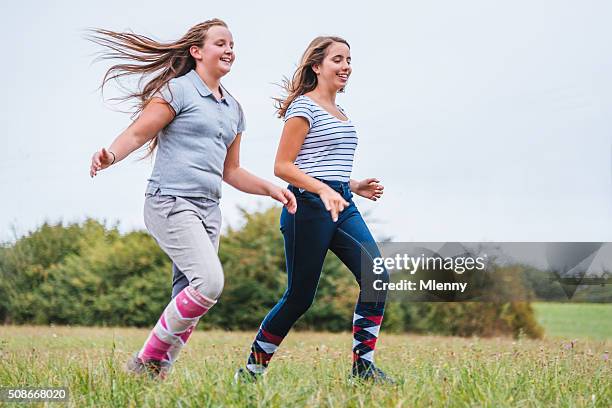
484, 120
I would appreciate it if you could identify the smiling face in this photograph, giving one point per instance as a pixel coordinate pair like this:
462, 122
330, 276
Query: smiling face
335, 69
217, 53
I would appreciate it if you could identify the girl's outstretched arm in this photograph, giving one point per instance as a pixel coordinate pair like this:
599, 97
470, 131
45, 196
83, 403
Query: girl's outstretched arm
241, 179
369, 188
153, 118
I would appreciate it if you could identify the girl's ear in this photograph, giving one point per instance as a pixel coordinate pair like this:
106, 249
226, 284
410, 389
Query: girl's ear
195, 52
316, 68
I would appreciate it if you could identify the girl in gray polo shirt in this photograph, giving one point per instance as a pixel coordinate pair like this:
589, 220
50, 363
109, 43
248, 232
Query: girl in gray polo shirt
196, 126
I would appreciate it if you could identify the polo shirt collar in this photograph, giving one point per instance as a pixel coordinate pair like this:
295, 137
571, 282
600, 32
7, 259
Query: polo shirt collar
203, 90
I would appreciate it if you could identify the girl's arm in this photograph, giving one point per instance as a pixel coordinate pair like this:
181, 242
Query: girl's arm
293, 136
241, 179
368, 188
153, 118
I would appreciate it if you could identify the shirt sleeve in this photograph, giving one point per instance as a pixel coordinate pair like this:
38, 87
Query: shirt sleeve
174, 94
241, 120
299, 108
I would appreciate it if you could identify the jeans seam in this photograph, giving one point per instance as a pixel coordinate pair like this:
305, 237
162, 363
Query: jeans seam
361, 246
292, 253
357, 242
289, 288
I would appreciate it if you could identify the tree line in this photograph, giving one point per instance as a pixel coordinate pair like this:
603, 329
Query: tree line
91, 274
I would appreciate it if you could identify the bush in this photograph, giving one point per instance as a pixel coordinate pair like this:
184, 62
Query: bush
88, 274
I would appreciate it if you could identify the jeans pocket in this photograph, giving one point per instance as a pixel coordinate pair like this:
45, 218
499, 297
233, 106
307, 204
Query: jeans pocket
307, 195
308, 199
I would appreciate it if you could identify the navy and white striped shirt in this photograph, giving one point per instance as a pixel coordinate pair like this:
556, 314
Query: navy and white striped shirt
329, 147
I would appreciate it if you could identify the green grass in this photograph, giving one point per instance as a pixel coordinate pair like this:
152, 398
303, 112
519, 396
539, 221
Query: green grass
575, 320
310, 369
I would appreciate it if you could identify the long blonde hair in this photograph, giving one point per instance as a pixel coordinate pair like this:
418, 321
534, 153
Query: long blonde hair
304, 78
155, 62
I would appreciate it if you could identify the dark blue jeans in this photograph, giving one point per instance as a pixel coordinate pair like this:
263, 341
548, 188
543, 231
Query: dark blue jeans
309, 234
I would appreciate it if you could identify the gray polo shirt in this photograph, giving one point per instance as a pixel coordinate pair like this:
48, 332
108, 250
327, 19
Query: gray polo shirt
191, 150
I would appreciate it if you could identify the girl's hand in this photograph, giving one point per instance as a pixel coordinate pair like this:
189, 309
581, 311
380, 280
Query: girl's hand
334, 203
285, 197
101, 160
369, 188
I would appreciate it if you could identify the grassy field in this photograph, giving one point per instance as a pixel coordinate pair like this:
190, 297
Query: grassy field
310, 369
575, 320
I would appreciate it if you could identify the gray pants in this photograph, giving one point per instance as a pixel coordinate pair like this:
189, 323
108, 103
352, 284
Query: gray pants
187, 230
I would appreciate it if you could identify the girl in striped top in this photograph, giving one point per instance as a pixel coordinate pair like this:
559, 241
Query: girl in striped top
315, 156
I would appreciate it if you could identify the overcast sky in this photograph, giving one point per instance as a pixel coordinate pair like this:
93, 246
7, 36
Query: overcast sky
484, 120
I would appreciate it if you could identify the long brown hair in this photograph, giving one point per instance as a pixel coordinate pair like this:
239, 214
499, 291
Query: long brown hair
304, 78
154, 62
